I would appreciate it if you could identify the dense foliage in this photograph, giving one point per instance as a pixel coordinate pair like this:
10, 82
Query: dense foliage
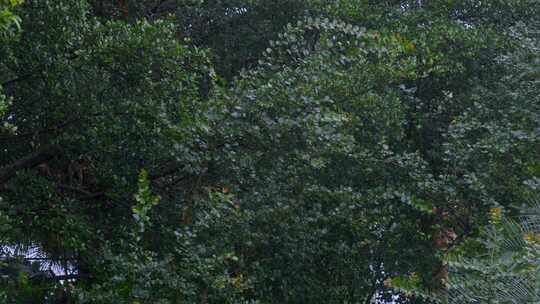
253, 151
503, 266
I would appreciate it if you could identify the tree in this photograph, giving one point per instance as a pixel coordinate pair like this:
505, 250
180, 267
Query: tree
94, 103
494, 145
166, 158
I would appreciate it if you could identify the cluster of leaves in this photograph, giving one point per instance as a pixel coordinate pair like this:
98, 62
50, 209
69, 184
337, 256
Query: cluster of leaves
501, 265
8, 19
259, 151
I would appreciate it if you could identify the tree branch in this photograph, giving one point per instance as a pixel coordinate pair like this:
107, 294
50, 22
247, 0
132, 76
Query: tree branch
46, 154
67, 277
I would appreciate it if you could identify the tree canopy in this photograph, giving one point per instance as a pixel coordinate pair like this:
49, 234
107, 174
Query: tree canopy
252, 151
